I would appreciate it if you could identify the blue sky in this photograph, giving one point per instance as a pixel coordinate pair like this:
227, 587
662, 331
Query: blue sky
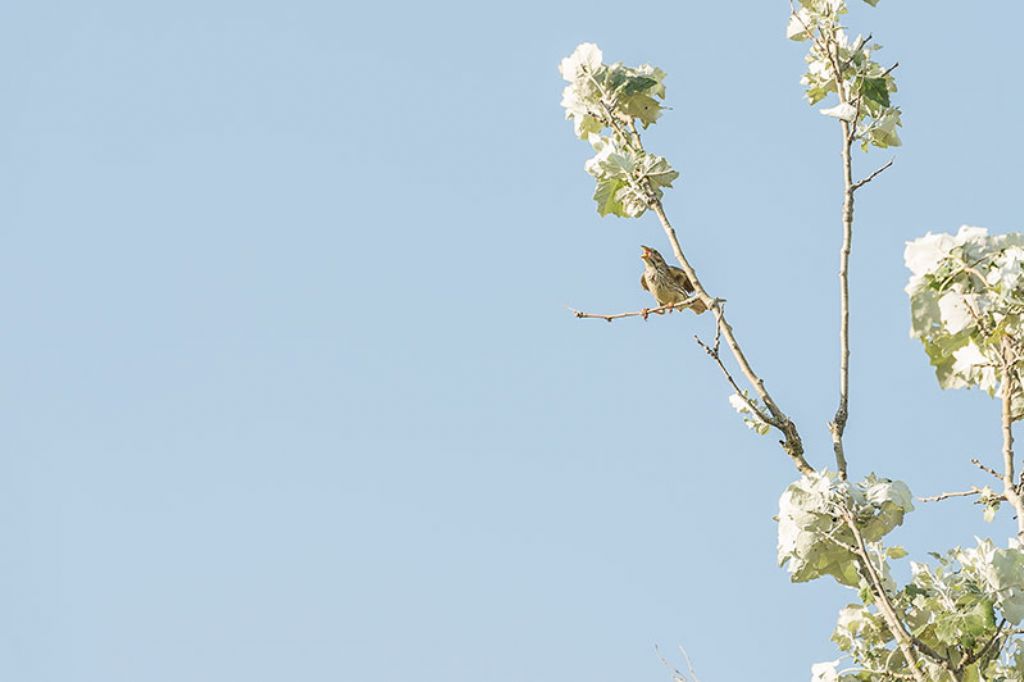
289, 388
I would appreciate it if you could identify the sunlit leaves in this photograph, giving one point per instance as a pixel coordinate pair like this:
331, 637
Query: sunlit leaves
825, 672
586, 57
607, 104
967, 303
627, 179
809, 522
835, 65
814, 538
955, 607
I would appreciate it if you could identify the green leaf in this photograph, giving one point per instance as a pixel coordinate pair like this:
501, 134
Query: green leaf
980, 619
875, 90
635, 85
605, 196
658, 170
653, 72
642, 107
896, 552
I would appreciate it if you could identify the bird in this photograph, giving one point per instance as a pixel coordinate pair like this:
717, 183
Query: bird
667, 283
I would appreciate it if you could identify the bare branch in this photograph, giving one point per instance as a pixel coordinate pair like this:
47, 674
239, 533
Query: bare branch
639, 313
987, 469
713, 354
792, 443
878, 171
676, 675
962, 493
838, 424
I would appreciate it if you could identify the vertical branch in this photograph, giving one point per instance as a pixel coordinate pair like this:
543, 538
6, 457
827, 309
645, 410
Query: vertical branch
838, 424
1010, 489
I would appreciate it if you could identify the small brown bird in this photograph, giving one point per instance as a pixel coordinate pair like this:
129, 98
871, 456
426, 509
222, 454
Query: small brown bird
667, 283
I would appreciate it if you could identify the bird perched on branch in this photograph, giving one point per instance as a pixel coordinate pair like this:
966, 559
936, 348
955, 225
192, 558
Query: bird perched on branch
667, 283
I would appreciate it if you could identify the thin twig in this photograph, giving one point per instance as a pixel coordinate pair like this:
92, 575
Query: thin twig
961, 493
689, 664
713, 354
987, 469
878, 171
981, 652
639, 313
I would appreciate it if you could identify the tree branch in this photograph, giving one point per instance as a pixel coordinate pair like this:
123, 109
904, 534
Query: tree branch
878, 171
983, 650
987, 469
714, 355
1010, 490
837, 426
962, 493
639, 313
792, 444
906, 642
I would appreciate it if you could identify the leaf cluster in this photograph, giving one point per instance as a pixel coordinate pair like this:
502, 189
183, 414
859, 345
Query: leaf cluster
835, 64
962, 611
607, 103
967, 305
814, 536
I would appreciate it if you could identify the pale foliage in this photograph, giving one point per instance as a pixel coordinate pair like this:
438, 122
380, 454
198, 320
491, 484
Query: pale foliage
959, 615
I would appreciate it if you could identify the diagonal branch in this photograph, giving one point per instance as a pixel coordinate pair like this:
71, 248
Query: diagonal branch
878, 171
987, 469
714, 355
907, 643
792, 443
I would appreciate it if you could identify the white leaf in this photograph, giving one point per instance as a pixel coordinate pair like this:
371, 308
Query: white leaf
825, 672
585, 54
844, 112
924, 253
955, 313
798, 25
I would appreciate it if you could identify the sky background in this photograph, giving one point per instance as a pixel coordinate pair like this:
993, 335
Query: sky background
289, 390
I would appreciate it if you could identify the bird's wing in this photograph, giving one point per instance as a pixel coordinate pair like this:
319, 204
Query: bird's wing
682, 279
643, 281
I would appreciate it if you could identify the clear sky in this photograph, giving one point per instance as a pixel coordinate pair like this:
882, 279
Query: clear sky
289, 391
